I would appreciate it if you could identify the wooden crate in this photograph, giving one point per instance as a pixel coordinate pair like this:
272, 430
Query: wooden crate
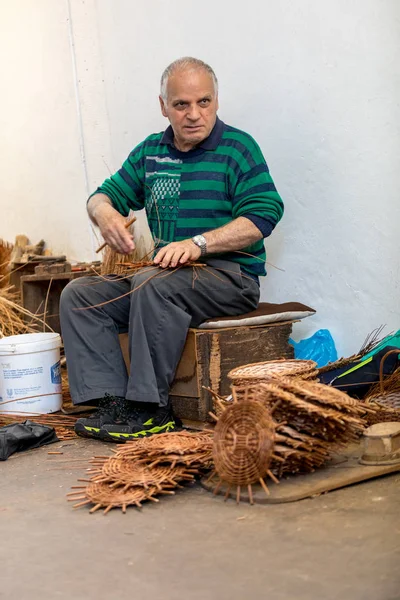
209, 355
40, 291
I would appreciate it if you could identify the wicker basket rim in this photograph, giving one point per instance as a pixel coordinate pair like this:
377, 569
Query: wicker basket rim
260, 369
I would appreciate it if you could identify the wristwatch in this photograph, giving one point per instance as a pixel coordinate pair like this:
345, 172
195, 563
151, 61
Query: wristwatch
201, 242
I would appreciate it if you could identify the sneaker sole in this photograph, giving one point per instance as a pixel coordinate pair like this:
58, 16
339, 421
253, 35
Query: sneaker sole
90, 432
115, 436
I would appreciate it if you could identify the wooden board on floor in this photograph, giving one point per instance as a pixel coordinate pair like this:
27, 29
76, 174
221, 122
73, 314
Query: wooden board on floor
342, 471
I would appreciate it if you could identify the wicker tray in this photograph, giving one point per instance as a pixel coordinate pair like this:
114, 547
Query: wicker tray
257, 372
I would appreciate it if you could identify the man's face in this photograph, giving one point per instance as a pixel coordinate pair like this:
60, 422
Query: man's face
191, 107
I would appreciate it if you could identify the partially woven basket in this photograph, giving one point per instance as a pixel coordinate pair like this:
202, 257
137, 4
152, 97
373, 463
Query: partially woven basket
387, 391
262, 371
243, 443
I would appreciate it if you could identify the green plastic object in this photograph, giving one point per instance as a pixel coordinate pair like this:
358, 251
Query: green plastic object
390, 340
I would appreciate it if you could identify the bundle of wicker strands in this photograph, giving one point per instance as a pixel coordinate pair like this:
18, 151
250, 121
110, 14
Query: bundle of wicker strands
243, 446
142, 469
256, 372
114, 263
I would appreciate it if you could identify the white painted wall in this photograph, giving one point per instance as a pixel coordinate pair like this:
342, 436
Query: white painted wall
316, 82
42, 178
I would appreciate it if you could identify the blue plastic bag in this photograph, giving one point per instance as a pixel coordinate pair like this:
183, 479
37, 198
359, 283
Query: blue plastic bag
320, 347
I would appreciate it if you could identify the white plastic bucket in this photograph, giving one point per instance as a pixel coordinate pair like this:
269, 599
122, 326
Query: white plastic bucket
30, 373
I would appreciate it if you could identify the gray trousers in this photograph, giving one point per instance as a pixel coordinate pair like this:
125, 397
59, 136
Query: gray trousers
156, 307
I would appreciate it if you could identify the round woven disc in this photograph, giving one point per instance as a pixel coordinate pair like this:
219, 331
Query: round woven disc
179, 442
127, 472
102, 494
243, 443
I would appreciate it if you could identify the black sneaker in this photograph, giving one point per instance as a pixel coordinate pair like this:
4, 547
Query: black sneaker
145, 422
108, 412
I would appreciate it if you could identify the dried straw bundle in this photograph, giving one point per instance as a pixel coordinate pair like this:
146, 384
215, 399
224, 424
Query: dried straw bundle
5, 254
13, 317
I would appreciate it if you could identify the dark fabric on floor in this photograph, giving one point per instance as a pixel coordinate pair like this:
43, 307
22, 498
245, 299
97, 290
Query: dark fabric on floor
24, 436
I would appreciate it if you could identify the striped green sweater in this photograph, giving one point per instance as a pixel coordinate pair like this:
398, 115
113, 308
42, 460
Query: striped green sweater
189, 193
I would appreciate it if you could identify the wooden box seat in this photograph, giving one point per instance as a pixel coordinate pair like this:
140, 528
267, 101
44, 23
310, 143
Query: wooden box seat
221, 344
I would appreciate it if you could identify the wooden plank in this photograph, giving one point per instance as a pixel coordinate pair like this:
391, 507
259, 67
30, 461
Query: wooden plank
343, 471
186, 381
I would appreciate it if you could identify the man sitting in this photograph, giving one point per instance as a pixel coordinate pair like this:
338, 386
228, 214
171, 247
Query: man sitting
209, 198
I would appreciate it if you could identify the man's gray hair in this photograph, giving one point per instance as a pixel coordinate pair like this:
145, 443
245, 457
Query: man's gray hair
187, 62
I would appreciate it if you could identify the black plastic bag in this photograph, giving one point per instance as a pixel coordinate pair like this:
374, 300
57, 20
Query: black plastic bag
24, 436
357, 378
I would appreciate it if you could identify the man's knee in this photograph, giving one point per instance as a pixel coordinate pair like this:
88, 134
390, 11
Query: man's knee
74, 290
145, 277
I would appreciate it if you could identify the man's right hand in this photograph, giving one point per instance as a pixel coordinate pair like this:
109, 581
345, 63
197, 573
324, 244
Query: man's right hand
111, 224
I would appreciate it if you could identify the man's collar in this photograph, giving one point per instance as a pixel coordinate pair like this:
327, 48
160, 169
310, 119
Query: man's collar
210, 143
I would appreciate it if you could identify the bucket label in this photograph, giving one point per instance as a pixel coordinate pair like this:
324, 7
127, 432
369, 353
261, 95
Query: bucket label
55, 371
19, 373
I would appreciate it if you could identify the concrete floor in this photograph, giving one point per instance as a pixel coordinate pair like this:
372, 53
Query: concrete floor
339, 546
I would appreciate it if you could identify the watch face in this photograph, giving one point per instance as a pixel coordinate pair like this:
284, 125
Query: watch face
201, 242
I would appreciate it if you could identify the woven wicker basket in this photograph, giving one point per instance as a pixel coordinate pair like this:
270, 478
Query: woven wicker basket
387, 391
258, 372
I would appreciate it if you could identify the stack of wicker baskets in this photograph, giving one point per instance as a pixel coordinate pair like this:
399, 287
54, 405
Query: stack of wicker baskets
312, 420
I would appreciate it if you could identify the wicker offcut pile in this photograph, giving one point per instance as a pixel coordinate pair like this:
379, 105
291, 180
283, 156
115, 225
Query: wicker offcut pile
144, 469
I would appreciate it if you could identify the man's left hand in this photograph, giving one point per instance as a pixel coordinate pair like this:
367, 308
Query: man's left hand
177, 253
